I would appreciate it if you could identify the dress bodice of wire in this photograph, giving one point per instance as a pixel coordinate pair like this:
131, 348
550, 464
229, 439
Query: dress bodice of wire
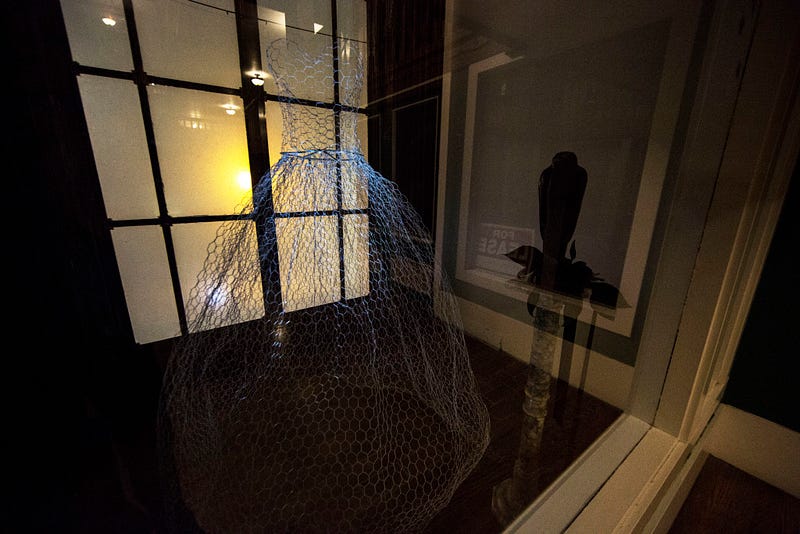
320, 87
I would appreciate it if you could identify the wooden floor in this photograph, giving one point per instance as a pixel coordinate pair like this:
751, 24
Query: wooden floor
726, 499
575, 419
117, 486
119, 483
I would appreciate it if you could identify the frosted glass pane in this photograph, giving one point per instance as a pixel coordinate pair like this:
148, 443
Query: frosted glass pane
143, 266
274, 131
191, 249
308, 253
356, 255
114, 117
352, 74
189, 41
98, 33
202, 150
352, 19
306, 23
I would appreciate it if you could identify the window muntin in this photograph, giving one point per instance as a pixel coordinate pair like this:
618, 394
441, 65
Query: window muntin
180, 165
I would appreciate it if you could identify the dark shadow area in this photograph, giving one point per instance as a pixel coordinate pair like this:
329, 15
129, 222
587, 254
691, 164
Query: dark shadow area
726, 499
762, 379
117, 486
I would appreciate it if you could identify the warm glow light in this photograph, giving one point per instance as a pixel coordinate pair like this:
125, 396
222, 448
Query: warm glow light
230, 109
273, 16
108, 21
244, 181
257, 79
317, 27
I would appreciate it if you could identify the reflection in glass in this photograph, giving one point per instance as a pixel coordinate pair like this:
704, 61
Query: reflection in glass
595, 98
114, 118
512, 495
98, 33
144, 270
189, 40
202, 150
556, 282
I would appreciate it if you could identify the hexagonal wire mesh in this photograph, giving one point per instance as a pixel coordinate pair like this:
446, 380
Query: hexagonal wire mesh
326, 384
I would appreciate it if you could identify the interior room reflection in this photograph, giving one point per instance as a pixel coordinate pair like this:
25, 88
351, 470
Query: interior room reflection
180, 177
356, 265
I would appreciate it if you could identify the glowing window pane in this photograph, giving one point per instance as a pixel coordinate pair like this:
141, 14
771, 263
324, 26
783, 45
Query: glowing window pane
189, 41
202, 150
191, 251
352, 19
321, 116
98, 33
302, 185
298, 24
356, 255
142, 260
308, 253
114, 117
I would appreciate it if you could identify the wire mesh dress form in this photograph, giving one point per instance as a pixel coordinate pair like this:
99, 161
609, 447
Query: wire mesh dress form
326, 385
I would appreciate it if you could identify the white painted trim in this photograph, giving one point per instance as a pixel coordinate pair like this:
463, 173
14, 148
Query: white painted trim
754, 235
671, 323
657, 485
642, 471
757, 446
762, 147
466, 165
555, 508
670, 504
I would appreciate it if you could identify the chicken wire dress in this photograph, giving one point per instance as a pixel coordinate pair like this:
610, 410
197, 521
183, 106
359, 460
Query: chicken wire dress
325, 386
